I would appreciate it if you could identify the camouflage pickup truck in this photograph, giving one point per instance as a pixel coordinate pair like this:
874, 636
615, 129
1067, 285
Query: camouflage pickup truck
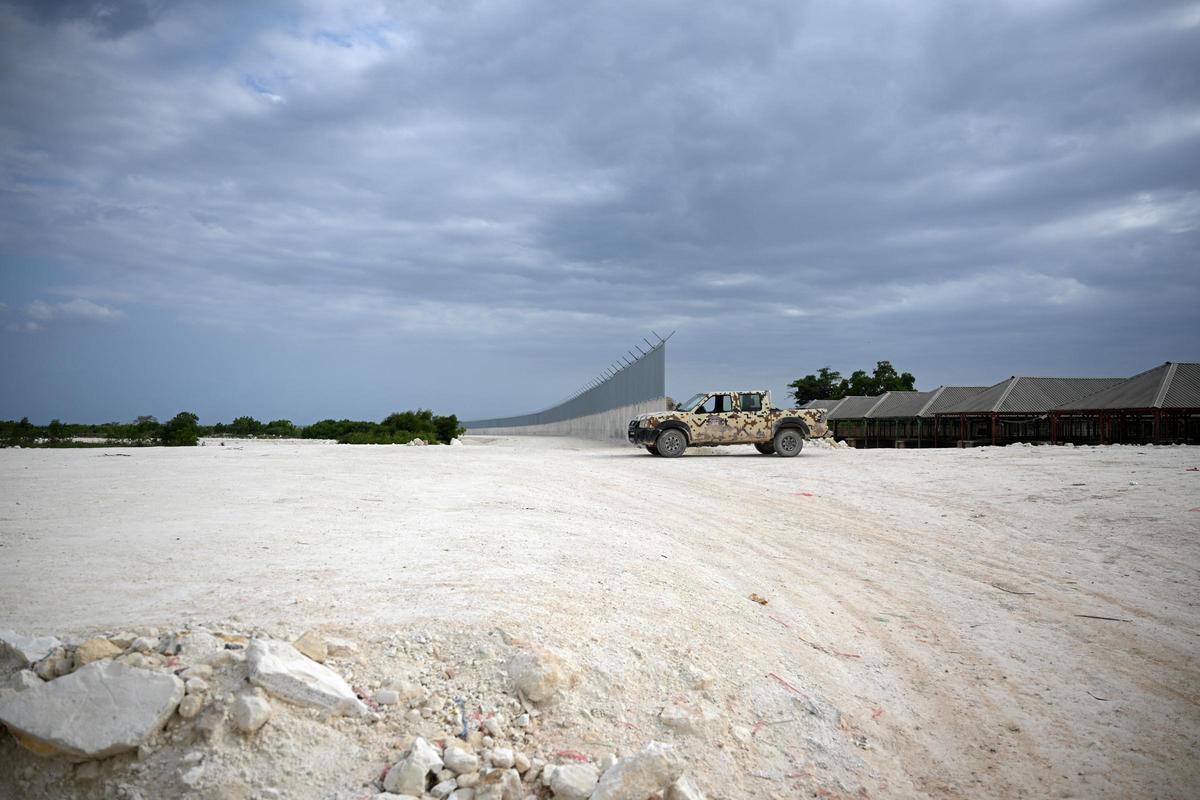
717, 418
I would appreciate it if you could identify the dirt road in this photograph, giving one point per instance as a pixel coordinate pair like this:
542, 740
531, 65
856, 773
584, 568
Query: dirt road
1015, 622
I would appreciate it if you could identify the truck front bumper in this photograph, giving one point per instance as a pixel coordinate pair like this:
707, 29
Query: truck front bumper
641, 436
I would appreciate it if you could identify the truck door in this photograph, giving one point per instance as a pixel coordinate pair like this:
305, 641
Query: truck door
751, 422
714, 422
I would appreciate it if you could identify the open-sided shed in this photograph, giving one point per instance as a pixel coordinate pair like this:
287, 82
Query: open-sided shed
1159, 405
1016, 409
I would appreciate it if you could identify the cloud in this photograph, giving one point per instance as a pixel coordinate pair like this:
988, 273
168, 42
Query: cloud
538, 171
76, 309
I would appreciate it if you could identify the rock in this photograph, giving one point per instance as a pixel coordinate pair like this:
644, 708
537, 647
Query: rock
606, 762
196, 645
190, 706
650, 770
250, 712
387, 697
688, 718
468, 780
312, 644
696, 678
144, 644
521, 763
442, 790
196, 686
192, 776
573, 781
741, 733
101, 709
540, 674
460, 760
25, 679
456, 442
503, 758
492, 726
340, 647
21, 651
123, 639
87, 771
408, 775
499, 784
390, 796
462, 794
684, 789
95, 650
202, 671
418, 442
522, 721
280, 669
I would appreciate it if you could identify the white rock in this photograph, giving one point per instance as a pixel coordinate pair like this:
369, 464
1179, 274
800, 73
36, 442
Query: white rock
24, 679
540, 674
387, 697
196, 645
277, 667
492, 726
103, 708
192, 776
689, 718
573, 781
408, 775
21, 651
144, 644
462, 794
684, 789
503, 758
651, 770
312, 644
456, 442
196, 686
250, 712
203, 671
460, 760
442, 790
521, 763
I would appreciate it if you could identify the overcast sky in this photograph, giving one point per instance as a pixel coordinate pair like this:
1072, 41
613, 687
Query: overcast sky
340, 209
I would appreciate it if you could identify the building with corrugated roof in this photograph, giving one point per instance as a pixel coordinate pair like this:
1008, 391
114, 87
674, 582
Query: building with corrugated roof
1159, 405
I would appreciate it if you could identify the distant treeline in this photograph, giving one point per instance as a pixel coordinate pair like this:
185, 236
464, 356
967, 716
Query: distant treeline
184, 429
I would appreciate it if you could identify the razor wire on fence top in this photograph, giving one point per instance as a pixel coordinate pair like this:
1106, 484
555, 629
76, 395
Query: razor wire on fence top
634, 378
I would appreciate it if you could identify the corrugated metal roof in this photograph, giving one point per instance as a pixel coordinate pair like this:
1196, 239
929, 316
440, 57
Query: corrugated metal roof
900, 404
854, 407
947, 396
1022, 394
828, 405
1169, 385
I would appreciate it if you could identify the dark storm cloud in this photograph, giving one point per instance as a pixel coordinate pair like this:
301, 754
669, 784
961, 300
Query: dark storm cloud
968, 189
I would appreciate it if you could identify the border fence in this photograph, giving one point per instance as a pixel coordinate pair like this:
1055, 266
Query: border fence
601, 409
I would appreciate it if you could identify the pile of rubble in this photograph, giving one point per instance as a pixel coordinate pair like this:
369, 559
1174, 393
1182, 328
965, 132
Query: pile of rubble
250, 714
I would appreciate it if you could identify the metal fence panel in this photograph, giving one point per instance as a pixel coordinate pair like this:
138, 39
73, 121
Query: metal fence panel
642, 380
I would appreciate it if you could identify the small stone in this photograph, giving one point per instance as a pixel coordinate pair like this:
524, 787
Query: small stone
280, 669
522, 721
250, 712
197, 645
572, 781
492, 726
387, 697
652, 769
313, 645
144, 644
468, 780
503, 758
123, 639
134, 660
521, 763
413, 715
194, 757
443, 789
190, 706
44, 669
23, 651
445, 774
741, 733
87, 771
460, 760
192, 776
684, 789
203, 671
688, 718
339, 648
101, 709
196, 686
462, 794
540, 674
606, 762
408, 775
25, 679
696, 678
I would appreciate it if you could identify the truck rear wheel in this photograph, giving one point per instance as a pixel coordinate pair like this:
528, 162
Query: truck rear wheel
766, 448
671, 443
789, 442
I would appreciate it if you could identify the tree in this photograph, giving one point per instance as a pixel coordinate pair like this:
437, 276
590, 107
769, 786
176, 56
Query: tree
830, 385
822, 386
182, 430
56, 431
245, 426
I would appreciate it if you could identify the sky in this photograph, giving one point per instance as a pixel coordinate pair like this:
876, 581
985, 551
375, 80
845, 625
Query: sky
340, 209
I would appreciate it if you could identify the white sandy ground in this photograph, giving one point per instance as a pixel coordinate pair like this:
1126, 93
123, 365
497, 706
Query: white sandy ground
923, 635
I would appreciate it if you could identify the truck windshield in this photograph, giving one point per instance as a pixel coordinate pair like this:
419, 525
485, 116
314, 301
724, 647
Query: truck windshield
691, 403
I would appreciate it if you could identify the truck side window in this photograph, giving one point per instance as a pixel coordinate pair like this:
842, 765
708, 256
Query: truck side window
722, 403
751, 402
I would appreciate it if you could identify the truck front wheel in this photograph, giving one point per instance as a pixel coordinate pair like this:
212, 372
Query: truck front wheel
651, 449
789, 442
671, 443
766, 448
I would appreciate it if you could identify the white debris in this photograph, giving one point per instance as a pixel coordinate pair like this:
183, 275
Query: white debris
387, 697
460, 760
25, 650
250, 712
540, 673
277, 667
571, 781
684, 789
409, 774
503, 758
651, 770
100, 709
